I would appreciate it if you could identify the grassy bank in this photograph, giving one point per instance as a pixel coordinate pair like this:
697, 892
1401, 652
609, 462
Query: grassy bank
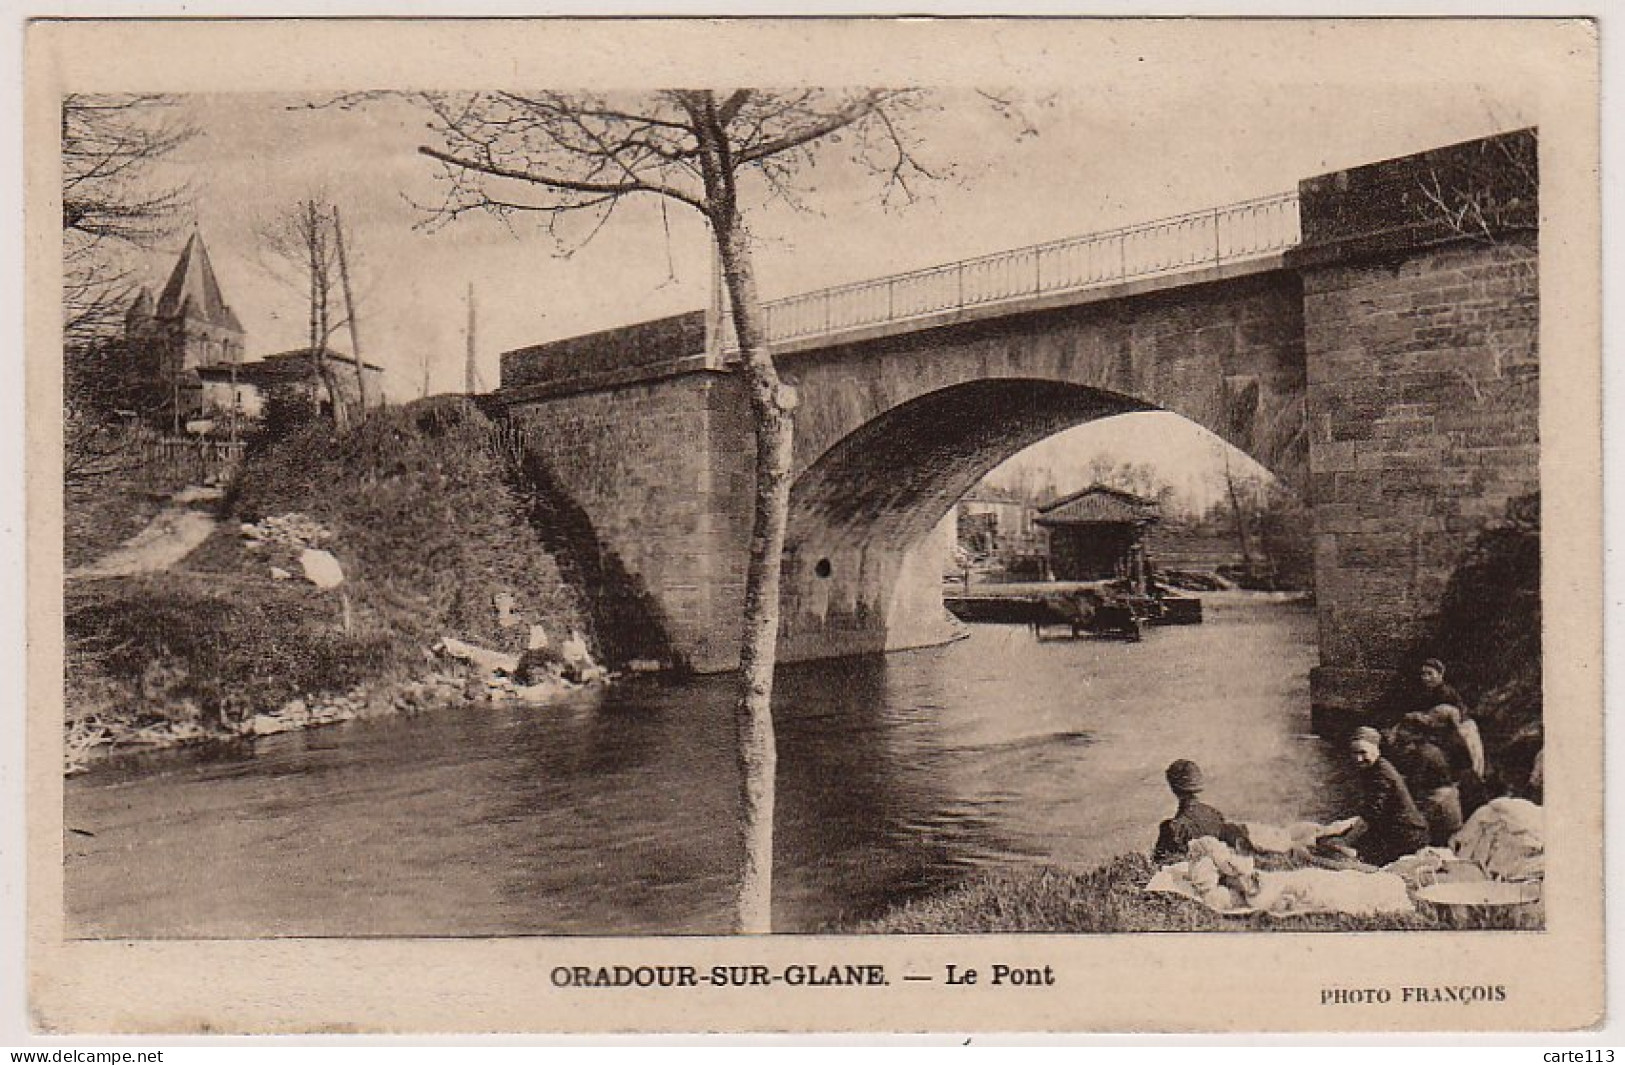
1108, 899
423, 517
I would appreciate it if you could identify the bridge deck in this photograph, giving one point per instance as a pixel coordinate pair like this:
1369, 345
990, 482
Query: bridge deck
1210, 245
1207, 240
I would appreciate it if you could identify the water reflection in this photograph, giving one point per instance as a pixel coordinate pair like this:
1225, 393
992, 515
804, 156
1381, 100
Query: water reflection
616, 813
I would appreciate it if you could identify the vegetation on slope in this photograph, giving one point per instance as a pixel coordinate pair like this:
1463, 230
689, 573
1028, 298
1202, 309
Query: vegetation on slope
426, 525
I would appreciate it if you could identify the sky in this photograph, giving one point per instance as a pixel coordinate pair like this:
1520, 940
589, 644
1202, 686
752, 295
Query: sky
1093, 158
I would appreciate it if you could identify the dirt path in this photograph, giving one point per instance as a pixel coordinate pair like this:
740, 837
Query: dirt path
174, 533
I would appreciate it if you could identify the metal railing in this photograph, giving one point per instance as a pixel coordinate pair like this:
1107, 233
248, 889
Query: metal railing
1218, 236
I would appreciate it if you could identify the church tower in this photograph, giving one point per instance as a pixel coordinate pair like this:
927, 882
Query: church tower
190, 320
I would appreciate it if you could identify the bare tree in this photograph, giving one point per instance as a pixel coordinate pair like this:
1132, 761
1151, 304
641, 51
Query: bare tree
1233, 491
556, 155
113, 202
301, 245
116, 203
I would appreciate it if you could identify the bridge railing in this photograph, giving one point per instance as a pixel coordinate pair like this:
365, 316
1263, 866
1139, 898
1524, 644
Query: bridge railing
1215, 237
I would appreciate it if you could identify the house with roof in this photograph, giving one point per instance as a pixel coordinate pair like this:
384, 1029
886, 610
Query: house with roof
194, 341
992, 521
244, 387
1098, 533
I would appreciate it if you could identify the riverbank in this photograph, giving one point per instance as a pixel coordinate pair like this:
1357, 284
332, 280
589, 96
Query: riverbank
93, 738
1110, 899
425, 535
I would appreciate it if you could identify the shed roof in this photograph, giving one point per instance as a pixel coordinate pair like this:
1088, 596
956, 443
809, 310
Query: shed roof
295, 365
1099, 505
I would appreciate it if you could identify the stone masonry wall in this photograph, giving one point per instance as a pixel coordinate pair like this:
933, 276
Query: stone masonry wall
1424, 420
650, 470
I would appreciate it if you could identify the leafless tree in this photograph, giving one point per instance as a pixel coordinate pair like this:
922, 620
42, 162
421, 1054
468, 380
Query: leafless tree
115, 204
555, 156
350, 314
302, 246
1237, 509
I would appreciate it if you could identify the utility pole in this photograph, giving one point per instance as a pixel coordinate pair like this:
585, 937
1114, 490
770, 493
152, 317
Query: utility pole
425, 361
349, 313
471, 373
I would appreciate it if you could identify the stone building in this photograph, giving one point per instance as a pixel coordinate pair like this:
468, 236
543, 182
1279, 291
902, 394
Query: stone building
244, 387
190, 324
994, 522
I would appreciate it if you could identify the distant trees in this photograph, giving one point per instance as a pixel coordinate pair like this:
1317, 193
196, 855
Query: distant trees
1137, 478
1266, 527
116, 202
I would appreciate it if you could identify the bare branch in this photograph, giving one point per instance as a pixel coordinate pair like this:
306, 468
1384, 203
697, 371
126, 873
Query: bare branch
605, 188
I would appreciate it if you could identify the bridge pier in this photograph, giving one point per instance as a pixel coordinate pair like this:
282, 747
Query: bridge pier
1421, 329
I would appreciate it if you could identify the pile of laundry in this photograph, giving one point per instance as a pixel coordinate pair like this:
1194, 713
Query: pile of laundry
1501, 845
1506, 838
1229, 883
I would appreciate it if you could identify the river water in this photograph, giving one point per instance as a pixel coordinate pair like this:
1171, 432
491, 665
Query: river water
615, 813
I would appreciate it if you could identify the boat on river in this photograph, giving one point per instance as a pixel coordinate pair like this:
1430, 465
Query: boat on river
1078, 608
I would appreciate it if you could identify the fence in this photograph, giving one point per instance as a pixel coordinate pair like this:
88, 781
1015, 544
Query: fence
198, 457
1219, 236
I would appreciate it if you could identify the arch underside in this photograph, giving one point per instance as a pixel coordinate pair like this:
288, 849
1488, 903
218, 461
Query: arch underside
862, 569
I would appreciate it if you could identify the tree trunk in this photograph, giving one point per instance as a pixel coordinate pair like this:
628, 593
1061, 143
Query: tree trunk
315, 302
1241, 518
335, 396
772, 403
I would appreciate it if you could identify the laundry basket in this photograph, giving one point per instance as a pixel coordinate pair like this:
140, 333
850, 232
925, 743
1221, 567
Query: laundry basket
1485, 903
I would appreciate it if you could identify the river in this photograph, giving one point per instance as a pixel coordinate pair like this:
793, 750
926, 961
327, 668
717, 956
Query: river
614, 813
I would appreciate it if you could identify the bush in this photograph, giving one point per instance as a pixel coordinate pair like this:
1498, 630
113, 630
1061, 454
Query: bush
175, 646
288, 409
424, 520
1488, 631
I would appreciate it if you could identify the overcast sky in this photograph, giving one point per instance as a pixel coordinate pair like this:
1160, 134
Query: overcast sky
1101, 156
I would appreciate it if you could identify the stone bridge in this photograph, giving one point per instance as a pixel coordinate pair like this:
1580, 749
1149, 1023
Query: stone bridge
1371, 338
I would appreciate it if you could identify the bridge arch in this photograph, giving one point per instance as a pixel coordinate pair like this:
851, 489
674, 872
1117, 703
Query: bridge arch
862, 566
1226, 354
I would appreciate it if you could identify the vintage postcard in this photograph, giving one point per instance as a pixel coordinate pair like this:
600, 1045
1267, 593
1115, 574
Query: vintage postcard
765, 525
